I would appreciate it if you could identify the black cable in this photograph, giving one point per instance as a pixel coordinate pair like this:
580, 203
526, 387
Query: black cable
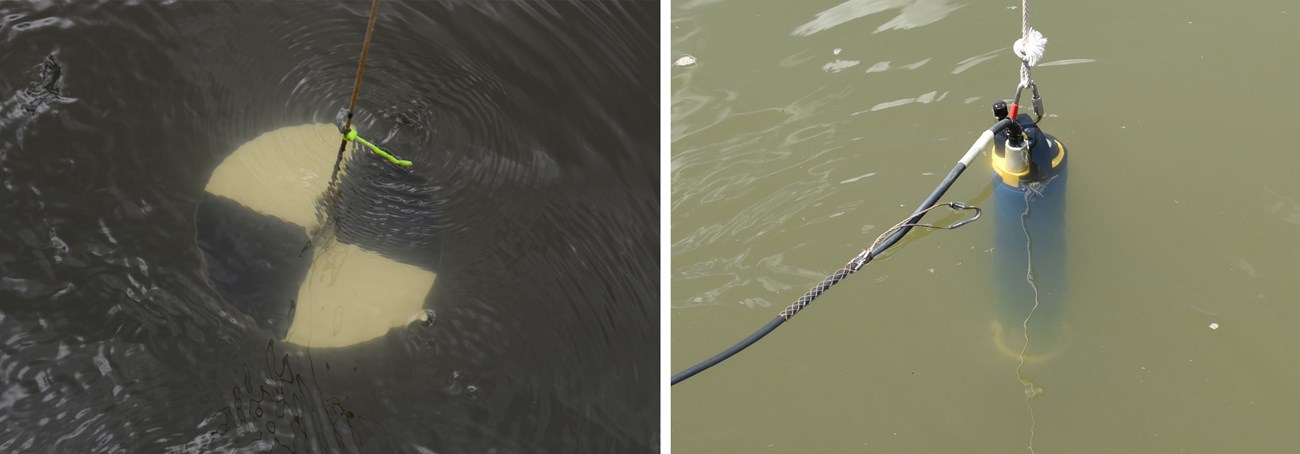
856, 263
689, 372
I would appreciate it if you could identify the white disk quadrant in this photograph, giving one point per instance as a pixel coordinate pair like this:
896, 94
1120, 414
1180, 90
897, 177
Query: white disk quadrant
351, 295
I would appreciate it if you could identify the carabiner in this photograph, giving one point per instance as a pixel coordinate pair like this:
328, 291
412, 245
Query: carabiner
958, 206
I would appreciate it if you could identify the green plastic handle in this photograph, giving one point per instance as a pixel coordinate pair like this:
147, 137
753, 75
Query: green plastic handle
352, 136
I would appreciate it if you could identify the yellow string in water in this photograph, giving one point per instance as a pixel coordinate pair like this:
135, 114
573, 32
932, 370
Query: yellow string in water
352, 136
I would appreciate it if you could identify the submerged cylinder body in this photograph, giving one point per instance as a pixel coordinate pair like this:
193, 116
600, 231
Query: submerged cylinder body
1029, 248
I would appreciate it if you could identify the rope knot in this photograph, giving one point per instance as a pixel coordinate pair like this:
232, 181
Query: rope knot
1030, 47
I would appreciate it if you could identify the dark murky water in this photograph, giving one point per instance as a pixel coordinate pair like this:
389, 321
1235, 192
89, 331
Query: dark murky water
536, 125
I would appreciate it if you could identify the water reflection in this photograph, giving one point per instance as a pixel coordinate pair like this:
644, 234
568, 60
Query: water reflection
911, 14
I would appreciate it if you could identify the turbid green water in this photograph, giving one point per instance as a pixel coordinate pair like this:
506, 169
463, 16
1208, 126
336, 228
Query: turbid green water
804, 129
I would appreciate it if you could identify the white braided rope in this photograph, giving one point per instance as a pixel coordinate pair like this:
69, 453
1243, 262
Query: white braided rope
1030, 46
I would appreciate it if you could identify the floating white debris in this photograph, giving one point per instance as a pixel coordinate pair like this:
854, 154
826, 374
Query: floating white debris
1214, 326
685, 60
837, 51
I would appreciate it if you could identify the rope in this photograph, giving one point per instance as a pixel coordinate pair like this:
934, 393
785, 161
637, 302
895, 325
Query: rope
349, 134
1024, 17
1029, 48
356, 89
1024, 34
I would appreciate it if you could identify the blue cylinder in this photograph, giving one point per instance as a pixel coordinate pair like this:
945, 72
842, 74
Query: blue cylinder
1029, 210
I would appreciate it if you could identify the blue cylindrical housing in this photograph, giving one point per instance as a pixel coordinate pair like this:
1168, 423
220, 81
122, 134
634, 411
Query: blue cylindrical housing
1029, 209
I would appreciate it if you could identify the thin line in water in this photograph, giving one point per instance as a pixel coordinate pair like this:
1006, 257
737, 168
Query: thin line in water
1032, 390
